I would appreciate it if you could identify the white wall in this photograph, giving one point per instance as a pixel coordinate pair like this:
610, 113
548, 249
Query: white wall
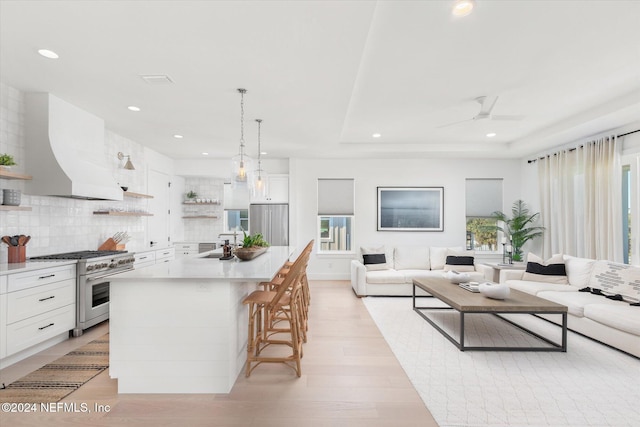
371, 173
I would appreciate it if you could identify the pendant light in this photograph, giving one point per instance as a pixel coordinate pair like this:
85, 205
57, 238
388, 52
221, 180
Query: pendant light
241, 164
259, 187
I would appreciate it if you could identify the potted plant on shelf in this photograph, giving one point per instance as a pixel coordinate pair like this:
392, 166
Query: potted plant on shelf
518, 229
6, 160
191, 196
252, 246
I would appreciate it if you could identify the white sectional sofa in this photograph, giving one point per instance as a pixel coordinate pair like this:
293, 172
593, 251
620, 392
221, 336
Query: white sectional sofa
402, 265
613, 322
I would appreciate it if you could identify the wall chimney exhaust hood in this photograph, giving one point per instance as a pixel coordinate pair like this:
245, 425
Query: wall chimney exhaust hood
65, 151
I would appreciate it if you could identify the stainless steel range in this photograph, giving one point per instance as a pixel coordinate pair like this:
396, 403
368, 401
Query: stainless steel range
92, 292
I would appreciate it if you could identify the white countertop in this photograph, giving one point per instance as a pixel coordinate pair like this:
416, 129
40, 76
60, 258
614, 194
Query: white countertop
262, 268
21, 267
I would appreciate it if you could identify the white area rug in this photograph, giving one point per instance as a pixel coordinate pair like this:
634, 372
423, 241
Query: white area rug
590, 385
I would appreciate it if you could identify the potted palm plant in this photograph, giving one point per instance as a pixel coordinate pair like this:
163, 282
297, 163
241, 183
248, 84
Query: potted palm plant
518, 229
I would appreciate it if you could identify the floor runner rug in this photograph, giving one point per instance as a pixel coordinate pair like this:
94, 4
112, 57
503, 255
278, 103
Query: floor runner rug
57, 379
589, 385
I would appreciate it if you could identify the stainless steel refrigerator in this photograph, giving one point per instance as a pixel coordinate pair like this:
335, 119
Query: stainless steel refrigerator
272, 221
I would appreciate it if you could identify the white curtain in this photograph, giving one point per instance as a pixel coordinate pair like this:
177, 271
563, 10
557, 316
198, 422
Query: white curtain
581, 201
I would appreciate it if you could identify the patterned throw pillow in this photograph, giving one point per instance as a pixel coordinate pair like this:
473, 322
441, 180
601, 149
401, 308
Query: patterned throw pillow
374, 258
550, 271
460, 261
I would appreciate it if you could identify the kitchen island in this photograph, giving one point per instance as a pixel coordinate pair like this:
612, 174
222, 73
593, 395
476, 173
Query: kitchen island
180, 326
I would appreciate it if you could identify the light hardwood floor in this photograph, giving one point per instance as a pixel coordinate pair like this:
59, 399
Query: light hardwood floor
350, 377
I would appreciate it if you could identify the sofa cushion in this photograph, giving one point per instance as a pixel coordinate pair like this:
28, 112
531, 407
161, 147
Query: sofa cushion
384, 276
576, 301
438, 256
377, 250
375, 261
411, 257
578, 270
616, 278
552, 270
619, 316
461, 261
532, 287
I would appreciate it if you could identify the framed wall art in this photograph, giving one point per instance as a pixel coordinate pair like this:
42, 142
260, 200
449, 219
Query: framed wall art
410, 208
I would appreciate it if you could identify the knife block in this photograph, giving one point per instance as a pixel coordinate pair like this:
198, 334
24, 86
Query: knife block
17, 254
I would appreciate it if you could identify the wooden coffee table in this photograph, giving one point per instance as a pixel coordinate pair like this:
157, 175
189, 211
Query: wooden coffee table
466, 302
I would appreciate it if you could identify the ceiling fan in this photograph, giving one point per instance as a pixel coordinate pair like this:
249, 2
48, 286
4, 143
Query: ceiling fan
486, 106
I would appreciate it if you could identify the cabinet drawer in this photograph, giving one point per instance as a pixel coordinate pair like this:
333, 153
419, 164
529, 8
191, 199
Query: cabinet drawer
34, 301
182, 247
163, 254
144, 257
29, 279
37, 329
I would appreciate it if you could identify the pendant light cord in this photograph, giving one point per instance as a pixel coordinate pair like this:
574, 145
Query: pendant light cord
259, 150
242, 92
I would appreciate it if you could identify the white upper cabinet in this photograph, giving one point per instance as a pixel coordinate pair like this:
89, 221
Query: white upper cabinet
277, 190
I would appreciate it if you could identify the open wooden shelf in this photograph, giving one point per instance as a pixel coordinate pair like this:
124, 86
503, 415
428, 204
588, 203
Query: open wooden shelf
14, 208
5, 174
137, 195
120, 213
201, 216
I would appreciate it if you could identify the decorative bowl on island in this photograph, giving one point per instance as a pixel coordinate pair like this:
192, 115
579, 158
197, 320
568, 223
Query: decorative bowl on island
246, 254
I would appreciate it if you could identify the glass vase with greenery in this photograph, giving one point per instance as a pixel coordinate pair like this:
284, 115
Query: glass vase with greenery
518, 229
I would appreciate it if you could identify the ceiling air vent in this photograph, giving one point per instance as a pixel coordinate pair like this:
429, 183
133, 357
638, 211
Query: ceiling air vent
157, 79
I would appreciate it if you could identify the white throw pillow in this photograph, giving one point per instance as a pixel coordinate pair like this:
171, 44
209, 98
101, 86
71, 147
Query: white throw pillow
578, 270
552, 270
411, 258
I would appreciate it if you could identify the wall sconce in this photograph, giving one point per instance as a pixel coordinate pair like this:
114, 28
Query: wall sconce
127, 165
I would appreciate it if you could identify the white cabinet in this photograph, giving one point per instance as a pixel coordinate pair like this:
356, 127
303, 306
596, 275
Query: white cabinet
186, 248
277, 190
38, 305
3, 316
152, 257
165, 255
144, 259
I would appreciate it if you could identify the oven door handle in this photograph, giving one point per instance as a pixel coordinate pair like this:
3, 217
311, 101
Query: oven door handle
91, 279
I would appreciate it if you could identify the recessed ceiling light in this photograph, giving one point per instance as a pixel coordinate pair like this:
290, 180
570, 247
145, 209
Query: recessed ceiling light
264, 153
133, 108
48, 53
376, 135
176, 136
205, 153
491, 134
462, 7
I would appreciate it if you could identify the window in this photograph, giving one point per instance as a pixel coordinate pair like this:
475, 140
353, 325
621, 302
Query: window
335, 215
236, 220
483, 197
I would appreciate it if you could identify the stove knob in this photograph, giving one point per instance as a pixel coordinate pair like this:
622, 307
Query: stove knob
89, 267
113, 265
121, 261
104, 264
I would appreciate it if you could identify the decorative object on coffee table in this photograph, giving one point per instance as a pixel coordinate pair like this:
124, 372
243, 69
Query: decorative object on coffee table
456, 277
494, 290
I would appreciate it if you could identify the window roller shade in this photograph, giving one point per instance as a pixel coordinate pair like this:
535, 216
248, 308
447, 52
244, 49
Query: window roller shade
335, 196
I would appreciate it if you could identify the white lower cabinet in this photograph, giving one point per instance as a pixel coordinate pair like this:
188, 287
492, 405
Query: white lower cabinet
165, 255
152, 257
186, 248
144, 259
37, 305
